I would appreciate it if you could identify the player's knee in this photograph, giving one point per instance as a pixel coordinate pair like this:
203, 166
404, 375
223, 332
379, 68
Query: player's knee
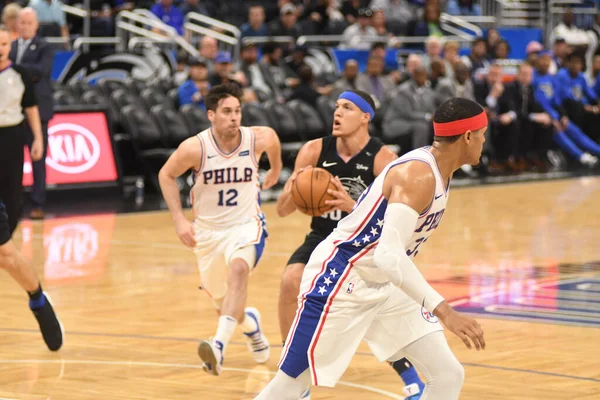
451, 377
238, 270
290, 281
8, 262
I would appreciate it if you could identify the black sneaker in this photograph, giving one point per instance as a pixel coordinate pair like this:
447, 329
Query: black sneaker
52, 329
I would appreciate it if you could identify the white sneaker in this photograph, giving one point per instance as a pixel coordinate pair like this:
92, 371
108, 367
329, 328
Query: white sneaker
305, 395
211, 352
257, 342
588, 159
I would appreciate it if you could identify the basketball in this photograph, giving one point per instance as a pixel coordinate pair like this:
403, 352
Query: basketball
310, 191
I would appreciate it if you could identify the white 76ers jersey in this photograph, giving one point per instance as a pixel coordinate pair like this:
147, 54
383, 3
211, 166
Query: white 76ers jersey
226, 188
357, 235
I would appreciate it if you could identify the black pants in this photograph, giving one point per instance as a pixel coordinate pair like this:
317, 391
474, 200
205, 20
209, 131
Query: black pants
588, 122
12, 142
38, 190
504, 141
534, 139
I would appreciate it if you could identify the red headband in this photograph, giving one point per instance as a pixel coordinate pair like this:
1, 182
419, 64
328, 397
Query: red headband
459, 127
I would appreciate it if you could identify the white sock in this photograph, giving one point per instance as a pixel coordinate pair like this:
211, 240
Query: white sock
225, 330
249, 325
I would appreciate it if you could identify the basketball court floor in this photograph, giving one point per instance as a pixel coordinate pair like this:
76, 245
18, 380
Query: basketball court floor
522, 258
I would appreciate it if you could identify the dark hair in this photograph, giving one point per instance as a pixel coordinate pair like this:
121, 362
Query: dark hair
365, 96
305, 73
453, 110
220, 92
377, 45
575, 56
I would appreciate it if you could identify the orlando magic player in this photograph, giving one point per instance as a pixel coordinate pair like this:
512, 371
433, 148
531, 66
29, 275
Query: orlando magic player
361, 283
354, 159
228, 232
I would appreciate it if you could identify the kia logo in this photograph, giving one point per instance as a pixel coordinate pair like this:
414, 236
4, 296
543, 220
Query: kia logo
73, 149
73, 244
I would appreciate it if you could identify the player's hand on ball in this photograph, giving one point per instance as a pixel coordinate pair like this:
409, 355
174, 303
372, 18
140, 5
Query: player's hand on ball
342, 200
185, 231
466, 328
37, 150
271, 179
290, 182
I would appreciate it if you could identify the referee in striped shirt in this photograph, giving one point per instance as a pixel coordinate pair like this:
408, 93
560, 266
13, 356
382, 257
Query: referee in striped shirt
17, 96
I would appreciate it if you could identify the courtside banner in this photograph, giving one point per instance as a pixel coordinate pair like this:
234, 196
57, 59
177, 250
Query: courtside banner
80, 151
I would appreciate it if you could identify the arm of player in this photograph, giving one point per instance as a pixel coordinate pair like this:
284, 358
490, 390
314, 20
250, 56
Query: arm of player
33, 118
410, 187
268, 141
307, 158
187, 156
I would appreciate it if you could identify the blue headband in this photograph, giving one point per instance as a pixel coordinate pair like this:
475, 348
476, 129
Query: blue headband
359, 101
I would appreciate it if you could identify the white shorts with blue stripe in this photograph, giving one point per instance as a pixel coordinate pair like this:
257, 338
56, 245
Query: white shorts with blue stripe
337, 309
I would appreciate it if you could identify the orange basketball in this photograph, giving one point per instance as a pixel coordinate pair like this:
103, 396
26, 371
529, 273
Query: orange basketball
310, 191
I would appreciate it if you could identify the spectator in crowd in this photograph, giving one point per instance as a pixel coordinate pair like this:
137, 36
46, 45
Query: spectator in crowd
595, 75
373, 81
347, 81
532, 51
463, 7
396, 11
102, 14
412, 62
223, 71
208, 50
182, 70
560, 51
378, 23
51, 12
257, 74
407, 120
189, 6
502, 129
477, 61
35, 54
502, 50
361, 34
492, 38
567, 30
350, 10
568, 135
577, 97
320, 13
433, 49
276, 69
430, 24
286, 24
169, 14
10, 15
460, 85
379, 49
451, 56
438, 71
295, 60
197, 86
306, 91
256, 22
534, 126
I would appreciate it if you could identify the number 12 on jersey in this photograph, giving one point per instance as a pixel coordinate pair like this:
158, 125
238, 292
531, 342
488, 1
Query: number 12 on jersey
230, 201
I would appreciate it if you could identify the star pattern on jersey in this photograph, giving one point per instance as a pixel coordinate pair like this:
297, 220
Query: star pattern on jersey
327, 281
366, 238
356, 243
374, 232
322, 290
333, 272
379, 223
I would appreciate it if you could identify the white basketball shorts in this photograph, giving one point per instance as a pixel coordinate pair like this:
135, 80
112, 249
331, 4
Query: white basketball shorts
337, 309
215, 248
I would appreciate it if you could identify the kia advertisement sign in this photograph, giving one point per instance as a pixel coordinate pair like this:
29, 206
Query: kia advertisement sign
79, 151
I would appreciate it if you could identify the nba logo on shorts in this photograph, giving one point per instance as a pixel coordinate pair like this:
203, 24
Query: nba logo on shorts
429, 317
350, 287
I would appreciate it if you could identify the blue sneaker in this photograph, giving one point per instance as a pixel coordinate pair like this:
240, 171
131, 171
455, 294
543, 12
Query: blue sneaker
257, 342
412, 392
50, 326
305, 395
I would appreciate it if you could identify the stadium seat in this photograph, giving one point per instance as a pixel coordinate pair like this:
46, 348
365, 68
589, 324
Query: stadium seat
195, 118
135, 85
93, 96
255, 115
326, 108
308, 120
152, 96
174, 97
284, 122
107, 86
64, 98
171, 124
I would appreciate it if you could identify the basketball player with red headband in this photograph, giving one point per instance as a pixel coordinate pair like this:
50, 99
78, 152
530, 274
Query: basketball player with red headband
361, 283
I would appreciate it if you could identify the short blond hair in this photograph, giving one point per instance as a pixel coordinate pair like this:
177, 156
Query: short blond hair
11, 10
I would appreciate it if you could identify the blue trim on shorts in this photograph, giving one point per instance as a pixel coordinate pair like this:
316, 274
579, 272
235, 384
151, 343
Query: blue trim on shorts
260, 246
